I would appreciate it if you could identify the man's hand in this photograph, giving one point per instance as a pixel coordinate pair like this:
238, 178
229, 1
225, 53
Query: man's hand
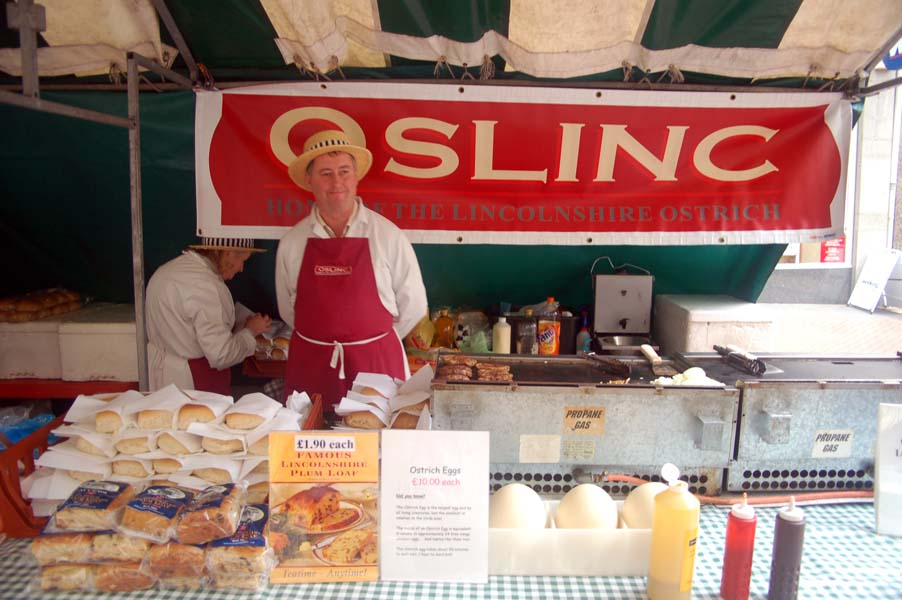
258, 323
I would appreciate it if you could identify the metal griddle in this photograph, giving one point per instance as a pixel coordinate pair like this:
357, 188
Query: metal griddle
567, 370
798, 367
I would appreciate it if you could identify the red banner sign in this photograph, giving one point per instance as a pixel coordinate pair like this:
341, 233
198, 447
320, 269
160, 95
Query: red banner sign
491, 164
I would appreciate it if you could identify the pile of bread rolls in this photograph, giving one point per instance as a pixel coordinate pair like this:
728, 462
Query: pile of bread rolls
38, 304
273, 343
114, 536
366, 407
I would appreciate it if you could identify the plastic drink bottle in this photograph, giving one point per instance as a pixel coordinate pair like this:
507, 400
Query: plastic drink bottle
674, 537
444, 330
584, 338
501, 337
549, 330
789, 533
738, 549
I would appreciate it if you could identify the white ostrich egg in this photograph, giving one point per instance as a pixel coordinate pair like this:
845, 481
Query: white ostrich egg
516, 506
586, 506
639, 506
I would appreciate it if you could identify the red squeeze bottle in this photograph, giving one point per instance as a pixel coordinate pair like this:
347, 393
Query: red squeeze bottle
737, 552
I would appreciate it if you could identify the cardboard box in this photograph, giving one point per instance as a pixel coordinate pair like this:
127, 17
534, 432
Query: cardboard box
98, 344
30, 350
590, 552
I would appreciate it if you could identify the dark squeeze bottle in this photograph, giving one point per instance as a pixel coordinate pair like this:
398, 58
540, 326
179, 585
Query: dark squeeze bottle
789, 533
738, 549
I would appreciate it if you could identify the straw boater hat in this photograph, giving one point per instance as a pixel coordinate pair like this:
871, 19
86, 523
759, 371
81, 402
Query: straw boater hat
217, 243
323, 143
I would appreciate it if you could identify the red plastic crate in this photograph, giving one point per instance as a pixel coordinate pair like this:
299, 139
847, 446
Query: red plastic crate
16, 518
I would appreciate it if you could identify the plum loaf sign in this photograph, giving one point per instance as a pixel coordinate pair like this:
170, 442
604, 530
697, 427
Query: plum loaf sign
532, 165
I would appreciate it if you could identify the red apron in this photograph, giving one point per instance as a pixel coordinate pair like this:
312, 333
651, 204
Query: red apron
208, 379
340, 324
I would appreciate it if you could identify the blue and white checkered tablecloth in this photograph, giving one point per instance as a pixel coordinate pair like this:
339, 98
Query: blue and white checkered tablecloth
843, 559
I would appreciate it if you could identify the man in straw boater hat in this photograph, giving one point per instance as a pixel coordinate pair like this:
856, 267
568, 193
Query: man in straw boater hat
192, 337
347, 279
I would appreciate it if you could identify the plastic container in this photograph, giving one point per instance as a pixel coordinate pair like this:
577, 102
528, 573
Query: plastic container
569, 329
674, 537
786, 563
739, 547
524, 339
444, 330
584, 338
549, 329
98, 344
501, 337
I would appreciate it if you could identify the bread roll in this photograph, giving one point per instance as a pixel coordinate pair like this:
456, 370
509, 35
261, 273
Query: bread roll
213, 475
239, 420
108, 421
363, 419
67, 577
83, 476
278, 354
405, 420
122, 577
258, 493
153, 419
169, 444
94, 506
165, 465
194, 413
131, 468
113, 546
58, 548
260, 447
135, 445
261, 354
176, 560
217, 446
211, 515
368, 391
85, 446
281, 342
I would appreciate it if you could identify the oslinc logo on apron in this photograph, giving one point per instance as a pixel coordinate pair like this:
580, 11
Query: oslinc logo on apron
331, 270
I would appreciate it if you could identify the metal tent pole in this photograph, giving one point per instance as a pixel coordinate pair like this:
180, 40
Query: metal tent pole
134, 169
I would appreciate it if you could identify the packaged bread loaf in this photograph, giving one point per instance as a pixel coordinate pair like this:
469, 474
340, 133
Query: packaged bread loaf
211, 515
60, 548
246, 551
122, 577
109, 546
70, 578
94, 506
153, 513
172, 559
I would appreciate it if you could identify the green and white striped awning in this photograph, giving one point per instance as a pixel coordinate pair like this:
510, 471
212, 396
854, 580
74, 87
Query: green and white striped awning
701, 41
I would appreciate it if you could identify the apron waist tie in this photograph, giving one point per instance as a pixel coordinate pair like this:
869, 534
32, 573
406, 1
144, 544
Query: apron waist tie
338, 352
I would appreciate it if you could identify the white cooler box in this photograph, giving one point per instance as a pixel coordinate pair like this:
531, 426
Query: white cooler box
98, 344
30, 350
690, 323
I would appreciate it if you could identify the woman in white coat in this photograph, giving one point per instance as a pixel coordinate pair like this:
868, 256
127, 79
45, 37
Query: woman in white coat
192, 336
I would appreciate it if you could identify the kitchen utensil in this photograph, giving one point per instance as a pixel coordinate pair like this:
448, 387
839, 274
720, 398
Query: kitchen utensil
658, 366
611, 365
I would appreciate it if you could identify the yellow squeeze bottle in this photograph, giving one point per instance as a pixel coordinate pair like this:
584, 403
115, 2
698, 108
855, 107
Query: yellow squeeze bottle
674, 540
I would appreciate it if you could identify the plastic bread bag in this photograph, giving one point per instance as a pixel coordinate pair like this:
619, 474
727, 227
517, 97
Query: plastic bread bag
212, 514
247, 551
93, 506
173, 560
153, 513
61, 548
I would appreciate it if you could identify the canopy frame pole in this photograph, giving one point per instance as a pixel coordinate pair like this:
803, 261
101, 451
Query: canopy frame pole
134, 170
29, 18
172, 28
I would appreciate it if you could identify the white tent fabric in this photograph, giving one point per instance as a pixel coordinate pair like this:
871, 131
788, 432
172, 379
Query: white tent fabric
91, 37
